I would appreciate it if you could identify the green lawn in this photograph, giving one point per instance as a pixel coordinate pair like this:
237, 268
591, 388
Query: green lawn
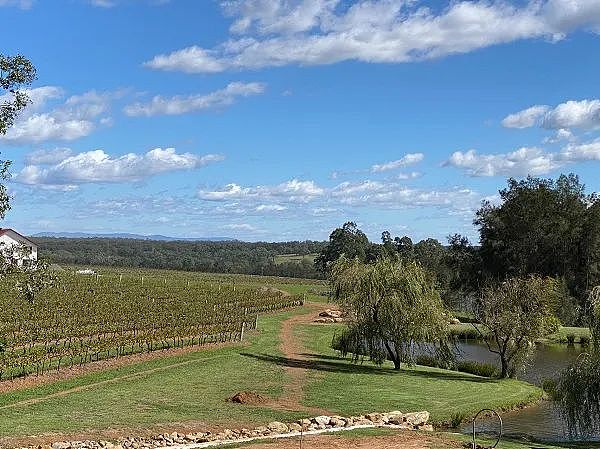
343, 387
194, 387
168, 390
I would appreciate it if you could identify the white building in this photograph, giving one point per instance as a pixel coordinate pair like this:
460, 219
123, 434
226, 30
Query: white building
16, 248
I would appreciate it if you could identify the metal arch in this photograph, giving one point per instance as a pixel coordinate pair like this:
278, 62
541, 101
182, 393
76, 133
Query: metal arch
474, 444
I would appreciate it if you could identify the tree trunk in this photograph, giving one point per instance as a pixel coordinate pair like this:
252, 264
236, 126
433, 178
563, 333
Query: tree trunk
504, 363
393, 355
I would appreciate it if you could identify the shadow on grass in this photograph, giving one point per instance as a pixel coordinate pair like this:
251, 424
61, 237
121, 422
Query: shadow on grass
331, 364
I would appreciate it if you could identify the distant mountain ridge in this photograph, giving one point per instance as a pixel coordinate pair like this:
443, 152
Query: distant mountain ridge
125, 235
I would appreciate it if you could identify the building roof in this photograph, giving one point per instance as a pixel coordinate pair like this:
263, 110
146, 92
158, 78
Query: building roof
5, 230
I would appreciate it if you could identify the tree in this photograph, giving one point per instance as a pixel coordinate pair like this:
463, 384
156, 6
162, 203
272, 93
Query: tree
543, 226
394, 309
347, 240
15, 73
515, 314
463, 263
578, 389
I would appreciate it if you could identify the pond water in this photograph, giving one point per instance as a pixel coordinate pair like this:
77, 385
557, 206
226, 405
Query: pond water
540, 422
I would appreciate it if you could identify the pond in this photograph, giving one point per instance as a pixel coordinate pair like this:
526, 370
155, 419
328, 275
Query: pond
540, 422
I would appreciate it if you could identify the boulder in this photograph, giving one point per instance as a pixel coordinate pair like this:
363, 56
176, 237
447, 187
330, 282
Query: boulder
321, 420
295, 427
417, 418
426, 427
337, 421
277, 427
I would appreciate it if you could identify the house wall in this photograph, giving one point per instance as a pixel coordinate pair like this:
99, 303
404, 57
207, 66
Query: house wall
10, 239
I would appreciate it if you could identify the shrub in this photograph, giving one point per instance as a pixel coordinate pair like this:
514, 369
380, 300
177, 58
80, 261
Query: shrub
456, 419
550, 387
428, 360
571, 339
584, 340
477, 368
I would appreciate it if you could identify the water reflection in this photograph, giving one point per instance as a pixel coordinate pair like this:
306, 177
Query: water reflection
543, 421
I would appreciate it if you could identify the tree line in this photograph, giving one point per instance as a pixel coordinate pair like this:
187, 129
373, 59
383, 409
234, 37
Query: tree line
212, 257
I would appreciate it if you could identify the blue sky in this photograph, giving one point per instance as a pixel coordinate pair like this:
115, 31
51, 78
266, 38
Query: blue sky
282, 119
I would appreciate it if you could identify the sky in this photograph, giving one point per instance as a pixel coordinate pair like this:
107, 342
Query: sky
279, 120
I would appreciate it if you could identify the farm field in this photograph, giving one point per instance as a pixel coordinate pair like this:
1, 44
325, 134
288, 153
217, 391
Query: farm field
286, 360
294, 258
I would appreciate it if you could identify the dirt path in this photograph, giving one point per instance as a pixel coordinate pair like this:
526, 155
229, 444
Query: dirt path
401, 440
299, 364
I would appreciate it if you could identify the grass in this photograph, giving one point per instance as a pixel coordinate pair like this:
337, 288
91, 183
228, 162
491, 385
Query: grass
343, 387
193, 387
564, 332
190, 387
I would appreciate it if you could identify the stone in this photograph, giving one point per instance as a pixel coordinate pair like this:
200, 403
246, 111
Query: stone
375, 417
304, 422
417, 418
362, 421
336, 421
277, 427
426, 427
349, 422
294, 427
61, 445
262, 430
321, 420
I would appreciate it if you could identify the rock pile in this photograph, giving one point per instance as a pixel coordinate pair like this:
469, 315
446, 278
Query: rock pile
330, 316
275, 429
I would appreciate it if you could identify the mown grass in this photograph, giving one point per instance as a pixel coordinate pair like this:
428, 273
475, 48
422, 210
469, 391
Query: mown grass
343, 387
190, 387
561, 336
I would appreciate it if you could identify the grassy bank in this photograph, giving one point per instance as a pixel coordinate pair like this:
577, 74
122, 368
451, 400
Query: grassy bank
343, 387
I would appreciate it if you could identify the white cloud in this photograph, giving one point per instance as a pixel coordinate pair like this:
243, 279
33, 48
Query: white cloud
270, 208
191, 103
581, 152
408, 159
313, 32
524, 161
47, 157
291, 191
584, 114
560, 135
76, 117
525, 118
240, 227
98, 167
103, 3
521, 162
411, 175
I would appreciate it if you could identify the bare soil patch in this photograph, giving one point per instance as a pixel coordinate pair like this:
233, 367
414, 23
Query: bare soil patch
248, 397
401, 440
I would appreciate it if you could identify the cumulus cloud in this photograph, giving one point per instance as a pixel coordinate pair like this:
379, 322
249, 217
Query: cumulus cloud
583, 114
76, 117
99, 167
192, 103
408, 159
521, 162
269, 33
327, 200
524, 161
292, 191
47, 157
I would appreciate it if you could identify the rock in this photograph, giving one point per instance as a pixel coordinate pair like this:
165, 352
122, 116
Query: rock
325, 320
337, 421
454, 321
375, 417
61, 445
321, 420
362, 421
262, 430
304, 422
416, 418
426, 427
349, 422
294, 427
277, 427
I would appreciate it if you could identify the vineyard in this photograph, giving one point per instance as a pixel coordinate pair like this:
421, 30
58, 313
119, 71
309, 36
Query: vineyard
83, 318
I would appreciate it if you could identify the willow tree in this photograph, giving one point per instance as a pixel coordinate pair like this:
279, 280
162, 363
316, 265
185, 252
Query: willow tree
578, 391
393, 308
515, 314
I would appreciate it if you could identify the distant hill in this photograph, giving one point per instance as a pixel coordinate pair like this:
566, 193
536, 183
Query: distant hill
125, 235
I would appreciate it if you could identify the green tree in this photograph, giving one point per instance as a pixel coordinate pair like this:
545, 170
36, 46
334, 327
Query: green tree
543, 226
515, 314
394, 309
578, 390
347, 240
15, 73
